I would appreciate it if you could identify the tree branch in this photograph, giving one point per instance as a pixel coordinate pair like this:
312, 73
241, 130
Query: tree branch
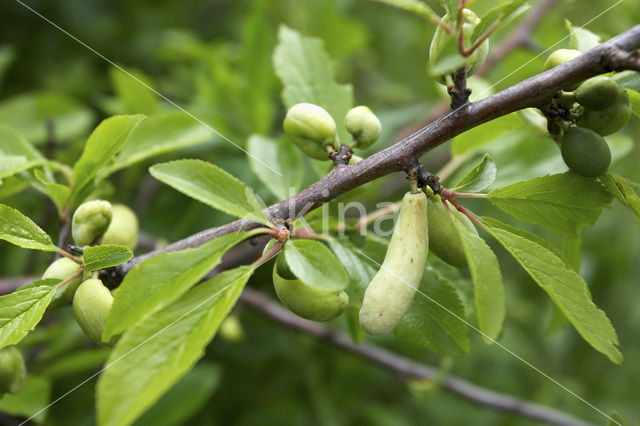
407, 368
532, 92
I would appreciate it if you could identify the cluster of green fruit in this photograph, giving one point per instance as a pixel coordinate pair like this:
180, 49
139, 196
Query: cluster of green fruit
424, 223
598, 107
93, 222
312, 129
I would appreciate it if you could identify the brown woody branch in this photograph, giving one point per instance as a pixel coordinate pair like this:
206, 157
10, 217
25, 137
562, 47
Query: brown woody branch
532, 92
408, 369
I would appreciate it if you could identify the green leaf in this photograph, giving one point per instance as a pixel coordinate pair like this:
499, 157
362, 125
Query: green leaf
82, 361
478, 178
315, 265
185, 398
416, 7
564, 203
616, 420
566, 288
307, 75
160, 280
628, 80
361, 271
211, 185
436, 322
473, 139
494, 223
31, 402
622, 189
105, 256
279, 156
18, 229
21, 310
447, 58
10, 165
103, 143
130, 89
258, 41
158, 351
30, 114
58, 193
634, 100
12, 144
158, 134
451, 6
487, 282
580, 38
11, 186
497, 16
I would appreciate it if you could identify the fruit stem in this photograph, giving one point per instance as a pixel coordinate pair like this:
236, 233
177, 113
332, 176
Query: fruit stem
565, 98
479, 41
268, 255
261, 231
448, 194
307, 233
413, 181
467, 213
70, 256
71, 278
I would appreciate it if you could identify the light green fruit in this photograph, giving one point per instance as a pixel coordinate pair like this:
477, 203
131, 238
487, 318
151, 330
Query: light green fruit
91, 305
312, 129
90, 221
306, 301
444, 239
598, 92
391, 291
123, 229
559, 57
443, 44
607, 120
12, 370
363, 125
585, 152
62, 269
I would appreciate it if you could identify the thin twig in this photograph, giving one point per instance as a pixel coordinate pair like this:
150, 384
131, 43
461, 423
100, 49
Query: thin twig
407, 368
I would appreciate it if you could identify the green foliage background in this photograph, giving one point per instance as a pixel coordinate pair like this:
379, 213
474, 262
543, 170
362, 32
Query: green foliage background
215, 59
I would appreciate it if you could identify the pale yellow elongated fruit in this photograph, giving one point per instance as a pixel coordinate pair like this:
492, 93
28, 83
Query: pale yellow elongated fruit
123, 229
63, 269
444, 240
391, 291
90, 221
306, 301
12, 370
91, 305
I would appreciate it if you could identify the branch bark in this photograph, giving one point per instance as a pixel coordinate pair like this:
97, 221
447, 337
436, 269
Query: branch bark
407, 368
532, 92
